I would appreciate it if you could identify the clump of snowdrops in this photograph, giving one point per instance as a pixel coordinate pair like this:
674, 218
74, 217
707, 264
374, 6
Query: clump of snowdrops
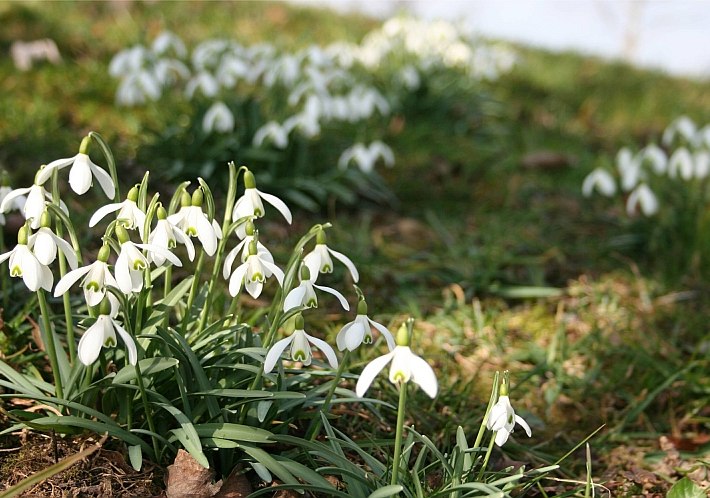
289, 110
148, 339
666, 195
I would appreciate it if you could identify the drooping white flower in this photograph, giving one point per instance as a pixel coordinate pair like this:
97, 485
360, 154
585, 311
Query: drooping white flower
253, 273
629, 167
218, 118
300, 350
131, 263
366, 156
45, 243
17, 203
644, 197
405, 366
274, 133
250, 203
165, 235
167, 41
654, 155
242, 250
35, 200
193, 221
103, 334
601, 180
129, 214
319, 259
502, 419
305, 295
23, 263
97, 277
701, 160
204, 82
354, 333
682, 126
82, 172
681, 163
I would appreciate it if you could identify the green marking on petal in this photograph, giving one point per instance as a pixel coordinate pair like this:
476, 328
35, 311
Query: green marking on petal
299, 355
93, 286
257, 277
400, 377
312, 303
191, 231
326, 269
109, 342
16, 271
510, 419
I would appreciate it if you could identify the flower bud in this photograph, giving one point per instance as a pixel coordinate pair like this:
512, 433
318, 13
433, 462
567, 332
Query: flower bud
45, 220
197, 197
104, 253
22, 235
161, 213
249, 180
84, 147
402, 338
320, 237
133, 194
185, 199
361, 307
122, 234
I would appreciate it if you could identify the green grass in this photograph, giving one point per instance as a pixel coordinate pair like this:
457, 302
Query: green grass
619, 347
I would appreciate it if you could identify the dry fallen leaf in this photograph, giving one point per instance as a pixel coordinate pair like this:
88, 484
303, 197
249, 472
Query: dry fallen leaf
188, 479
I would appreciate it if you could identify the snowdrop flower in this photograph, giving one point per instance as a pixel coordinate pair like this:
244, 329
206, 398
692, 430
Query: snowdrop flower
96, 278
684, 127
165, 235
656, 157
17, 203
243, 246
305, 295
35, 199
644, 197
218, 118
129, 214
250, 203
194, 222
702, 164
601, 180
274, 133
319, 259
82, 172
405, 366
300, 343
253, 273
103, 334
203, 81
44, 244
354, 333
629, 168
131, 262
502, 417
366, 156
681, 162
167, 41
24, 264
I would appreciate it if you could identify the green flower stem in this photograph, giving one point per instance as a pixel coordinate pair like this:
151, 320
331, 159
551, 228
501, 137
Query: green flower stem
193, 290
48, 339
213, 279
398, 435
146, 409
314, 429
491, 402
167, 287
110, 160
487, 457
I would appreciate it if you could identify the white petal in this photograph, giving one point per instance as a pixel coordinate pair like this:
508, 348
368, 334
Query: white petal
184, 239
312, 262
340, 338
346, 261
128, 340
275, 353
31, 268
254, 288
341, 298
294, 299
70, 279
43, 246
165, 253
275, 270
423, 374
229, 261
104, 179
91, 342
522, 423
278, 204
370, 372
67, 250
326, 349
123, 273
44, 174
355, 334
206, 234
502, 437
5, 205
46, 278
235, 281
385, 332
80, 174
103, 211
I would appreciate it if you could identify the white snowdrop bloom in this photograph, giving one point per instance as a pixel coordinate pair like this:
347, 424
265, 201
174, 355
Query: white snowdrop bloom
35, 199
24, 264
103, 334
166, 236
642, 196
218, 118
319, 259
128, 61
167, 41
359, 331
17, 202
701, 160
683, 127
232, 69
96, 277
253, 273
82, 173
272, 132
300, 348
681, 163
209, 53
629, 167
405, 366
169, 71
600, 180
502, 419
45, 243
250, 203
656, 157
129, 214
205, 83
703, 136
131, 263
366, 156
243, 248
410, 78
304, 295
193, 221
